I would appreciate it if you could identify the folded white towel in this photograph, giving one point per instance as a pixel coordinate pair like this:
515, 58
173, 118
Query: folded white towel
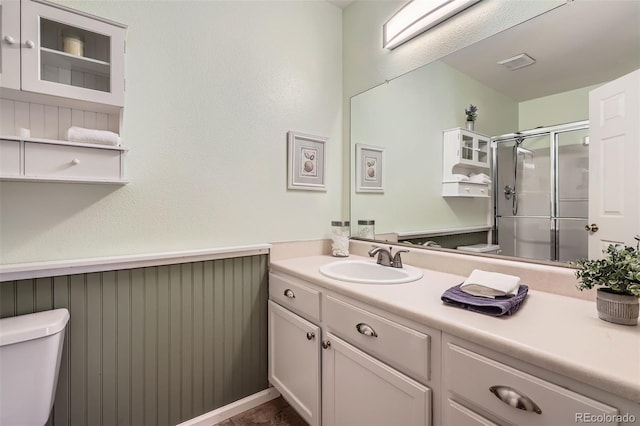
457, 177
104, 137
479, 178
490, 284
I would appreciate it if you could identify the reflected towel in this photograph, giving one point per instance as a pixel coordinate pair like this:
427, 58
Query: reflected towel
490, 284
82, 135
479, 178
502, 305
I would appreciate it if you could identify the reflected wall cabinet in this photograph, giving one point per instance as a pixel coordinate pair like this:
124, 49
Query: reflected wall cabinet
53, 50
464, 153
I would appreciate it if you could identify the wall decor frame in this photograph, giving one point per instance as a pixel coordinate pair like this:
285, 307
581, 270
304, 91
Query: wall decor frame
370, 173
307, 158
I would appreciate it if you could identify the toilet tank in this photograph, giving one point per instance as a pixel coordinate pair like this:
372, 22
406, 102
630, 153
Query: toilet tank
30, 352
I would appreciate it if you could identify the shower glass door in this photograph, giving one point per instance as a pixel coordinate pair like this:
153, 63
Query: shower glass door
523, 210
572, 195
541, 193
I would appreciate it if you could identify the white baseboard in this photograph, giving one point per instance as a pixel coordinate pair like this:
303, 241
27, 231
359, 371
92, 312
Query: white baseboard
223, 413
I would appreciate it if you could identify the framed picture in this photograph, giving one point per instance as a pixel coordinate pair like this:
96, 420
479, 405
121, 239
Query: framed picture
369, 168
307, 161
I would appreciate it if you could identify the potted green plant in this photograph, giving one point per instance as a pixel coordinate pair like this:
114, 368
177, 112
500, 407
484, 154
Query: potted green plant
472, 114
618, 278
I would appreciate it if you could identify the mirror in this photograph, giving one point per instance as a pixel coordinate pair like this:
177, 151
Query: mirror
397, 131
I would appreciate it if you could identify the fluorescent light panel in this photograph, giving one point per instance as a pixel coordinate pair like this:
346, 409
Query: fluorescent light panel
418, 16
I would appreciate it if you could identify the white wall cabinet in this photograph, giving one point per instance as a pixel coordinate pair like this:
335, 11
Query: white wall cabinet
53, 50
464, 152
59, 68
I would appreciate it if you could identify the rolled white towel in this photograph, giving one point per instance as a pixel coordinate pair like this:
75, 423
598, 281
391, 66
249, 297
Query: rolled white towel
490, 284
457, 177
82, 135
479, 178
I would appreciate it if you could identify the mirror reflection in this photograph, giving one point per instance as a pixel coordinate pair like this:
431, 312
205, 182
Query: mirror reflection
517, 184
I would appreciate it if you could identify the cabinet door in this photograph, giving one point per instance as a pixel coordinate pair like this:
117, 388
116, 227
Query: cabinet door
357, 389
294, 361
71, 54
10, 44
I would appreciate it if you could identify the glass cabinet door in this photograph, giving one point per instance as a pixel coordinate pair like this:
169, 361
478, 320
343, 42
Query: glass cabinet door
482, 151
71, 55
466, 147
10, 51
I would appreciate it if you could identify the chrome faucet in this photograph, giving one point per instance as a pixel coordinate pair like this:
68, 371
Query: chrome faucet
385, 258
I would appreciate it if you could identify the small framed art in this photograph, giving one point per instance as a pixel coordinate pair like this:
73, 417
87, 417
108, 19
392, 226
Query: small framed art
307, 162
369, 168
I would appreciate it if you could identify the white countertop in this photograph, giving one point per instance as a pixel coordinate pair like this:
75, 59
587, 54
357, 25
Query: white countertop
561, 334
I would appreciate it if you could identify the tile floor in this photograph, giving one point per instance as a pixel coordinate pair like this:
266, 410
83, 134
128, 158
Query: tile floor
273, 413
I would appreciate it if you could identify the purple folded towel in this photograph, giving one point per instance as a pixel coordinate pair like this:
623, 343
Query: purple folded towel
501, 305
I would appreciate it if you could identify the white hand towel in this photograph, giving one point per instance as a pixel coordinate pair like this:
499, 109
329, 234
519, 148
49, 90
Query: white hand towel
460, 177
479, 178
82, 135
490, 284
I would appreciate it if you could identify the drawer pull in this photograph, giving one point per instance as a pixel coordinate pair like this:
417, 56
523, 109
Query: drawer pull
326, 344
513, 398
289, 293
75, 161
310, 335
366, 330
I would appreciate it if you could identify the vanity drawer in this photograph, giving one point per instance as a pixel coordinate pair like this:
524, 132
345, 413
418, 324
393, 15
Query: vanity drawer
49, 161
299, 298
9, 158
399, 346
470, 376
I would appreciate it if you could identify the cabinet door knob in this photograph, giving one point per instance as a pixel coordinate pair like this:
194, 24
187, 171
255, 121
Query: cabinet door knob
75, 161
289, 293
366, 329
9, 40
514, 399
30, 44
326, 344
310, 335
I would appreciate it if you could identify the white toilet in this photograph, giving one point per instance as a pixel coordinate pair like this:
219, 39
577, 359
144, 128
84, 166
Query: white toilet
30, 352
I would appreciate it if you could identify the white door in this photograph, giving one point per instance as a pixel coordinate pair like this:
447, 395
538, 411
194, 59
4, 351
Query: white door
10, 44
358, 390
294, 361
614, 163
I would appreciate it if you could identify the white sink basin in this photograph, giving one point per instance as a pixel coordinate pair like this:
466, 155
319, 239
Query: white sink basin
365, 272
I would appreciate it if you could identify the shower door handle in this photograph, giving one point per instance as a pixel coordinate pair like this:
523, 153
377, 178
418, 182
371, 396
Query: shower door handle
509, 191
592, 228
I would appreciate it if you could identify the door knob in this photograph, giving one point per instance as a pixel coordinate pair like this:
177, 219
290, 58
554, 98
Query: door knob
591, 228
9, 40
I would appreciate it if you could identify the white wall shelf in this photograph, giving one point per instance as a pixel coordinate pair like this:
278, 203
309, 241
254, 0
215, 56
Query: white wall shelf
464, 152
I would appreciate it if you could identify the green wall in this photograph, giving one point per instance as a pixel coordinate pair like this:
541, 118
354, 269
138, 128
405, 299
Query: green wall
154, 345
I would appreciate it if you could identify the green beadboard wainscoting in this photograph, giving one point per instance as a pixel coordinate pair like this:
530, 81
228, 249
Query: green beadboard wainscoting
154, 345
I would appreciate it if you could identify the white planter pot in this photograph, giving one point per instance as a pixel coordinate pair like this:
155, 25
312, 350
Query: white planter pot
617, 308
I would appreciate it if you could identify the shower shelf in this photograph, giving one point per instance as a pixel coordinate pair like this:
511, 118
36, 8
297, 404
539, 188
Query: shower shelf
464, 152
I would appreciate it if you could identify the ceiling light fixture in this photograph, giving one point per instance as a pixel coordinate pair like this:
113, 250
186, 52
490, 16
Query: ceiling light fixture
418, 16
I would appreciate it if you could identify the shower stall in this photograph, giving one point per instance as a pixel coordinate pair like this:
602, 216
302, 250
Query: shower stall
541, 192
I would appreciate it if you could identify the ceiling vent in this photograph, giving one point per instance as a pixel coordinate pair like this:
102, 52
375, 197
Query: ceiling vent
518, 61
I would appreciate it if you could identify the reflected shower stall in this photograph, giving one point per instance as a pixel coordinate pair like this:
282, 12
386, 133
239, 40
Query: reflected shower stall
541, 192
